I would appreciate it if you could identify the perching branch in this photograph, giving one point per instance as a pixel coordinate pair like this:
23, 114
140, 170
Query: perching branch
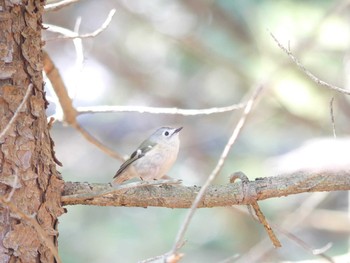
216, 195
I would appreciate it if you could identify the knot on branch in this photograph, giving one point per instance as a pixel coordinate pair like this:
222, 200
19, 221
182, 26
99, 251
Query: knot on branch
248, 190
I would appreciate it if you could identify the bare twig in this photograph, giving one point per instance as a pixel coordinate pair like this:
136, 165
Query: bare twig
97, 143
15, 115
331, 103
65, 102
266, 225
59, 5
156, 110
69, 112
316, 252
256, 253
160, 259
49, 243
320, 252
79, 60
307, 72
215, 172
78, 44
254, 204
55, 76
68, 34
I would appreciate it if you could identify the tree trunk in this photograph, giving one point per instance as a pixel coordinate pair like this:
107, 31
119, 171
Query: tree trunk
30, 186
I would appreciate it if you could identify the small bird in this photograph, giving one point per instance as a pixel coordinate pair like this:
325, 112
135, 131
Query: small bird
153, 158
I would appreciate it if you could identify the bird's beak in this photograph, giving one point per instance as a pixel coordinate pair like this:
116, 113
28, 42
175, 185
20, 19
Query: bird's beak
177, 130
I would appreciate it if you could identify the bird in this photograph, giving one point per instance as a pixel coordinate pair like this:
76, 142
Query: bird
153, 158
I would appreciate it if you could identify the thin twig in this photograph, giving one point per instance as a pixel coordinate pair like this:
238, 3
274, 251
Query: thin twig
66, 104
15, 115
62, 97
160, 259
266, 225
68, 34
259, 216
308, 73
97, 143
156, 110
331, 103
59, 5
320, 252
79, 61
48, 242
256, 253
78, 45
316, 252
215, 172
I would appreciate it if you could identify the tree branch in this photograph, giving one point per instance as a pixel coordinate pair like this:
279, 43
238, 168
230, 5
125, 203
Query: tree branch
68, 34
307, 72
216, 196
66, 103
59, 5
158, 110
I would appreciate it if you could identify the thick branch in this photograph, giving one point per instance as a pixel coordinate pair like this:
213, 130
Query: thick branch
217, 195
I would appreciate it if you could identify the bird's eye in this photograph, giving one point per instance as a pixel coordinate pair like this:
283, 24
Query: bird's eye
166, 133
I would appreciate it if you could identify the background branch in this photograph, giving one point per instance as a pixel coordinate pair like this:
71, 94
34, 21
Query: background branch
159, 110
240, 124
67, 34
307, 72
59, 5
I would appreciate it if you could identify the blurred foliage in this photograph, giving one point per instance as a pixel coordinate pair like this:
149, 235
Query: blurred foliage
197, 54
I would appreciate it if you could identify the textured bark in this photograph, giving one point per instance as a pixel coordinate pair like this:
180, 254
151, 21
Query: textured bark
216, 195
28, 177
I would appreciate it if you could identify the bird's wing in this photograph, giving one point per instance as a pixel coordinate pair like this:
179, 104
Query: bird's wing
139, 153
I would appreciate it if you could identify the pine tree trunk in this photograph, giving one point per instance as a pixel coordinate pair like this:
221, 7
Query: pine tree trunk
30, 186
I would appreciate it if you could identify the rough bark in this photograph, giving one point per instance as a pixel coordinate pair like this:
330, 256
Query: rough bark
217, 195
28, 177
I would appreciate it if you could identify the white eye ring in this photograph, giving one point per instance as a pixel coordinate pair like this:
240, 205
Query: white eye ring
166, 133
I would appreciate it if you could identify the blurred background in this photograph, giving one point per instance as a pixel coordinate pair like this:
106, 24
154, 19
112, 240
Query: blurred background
201, 54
